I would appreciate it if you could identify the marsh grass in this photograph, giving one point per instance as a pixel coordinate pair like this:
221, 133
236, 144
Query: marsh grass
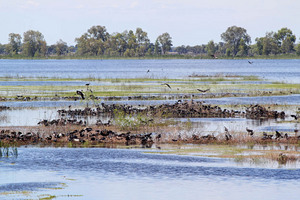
131, 122
7, 150
136, 86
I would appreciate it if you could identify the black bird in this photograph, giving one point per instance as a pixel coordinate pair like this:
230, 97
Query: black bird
278, 135
250, 62
203, 91
158, 137
87, 86
228, 136
213, 56
80, 93
226, 129
167, 85
296, 118
250, 132
148, 71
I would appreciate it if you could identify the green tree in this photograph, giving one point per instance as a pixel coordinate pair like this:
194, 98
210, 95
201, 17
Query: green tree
93, 42
142, 42
211, 48
181, 50
298, 49
233, 37
165, 40
267, 45
131, 45
243, 48
2, 49
34, 44
285, 40
61, 48
157, 48
14, 45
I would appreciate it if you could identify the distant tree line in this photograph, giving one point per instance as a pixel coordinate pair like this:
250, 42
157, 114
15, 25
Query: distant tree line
98, 42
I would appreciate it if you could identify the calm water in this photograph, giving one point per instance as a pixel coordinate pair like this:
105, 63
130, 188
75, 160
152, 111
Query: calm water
277, 70
131, 174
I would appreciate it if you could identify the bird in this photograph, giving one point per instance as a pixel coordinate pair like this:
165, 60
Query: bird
250, 131
87, 86
296, 118
158, 137
226, 129
213, 56
278, 135
203, 91
167, 85
148, 71
250, 62
228, 136
80, 93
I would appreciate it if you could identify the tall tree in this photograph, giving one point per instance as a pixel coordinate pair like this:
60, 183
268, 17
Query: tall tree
211, 48
34, 43
285, 40
2, 49
165, 41
14, 45
181, 50
267, 45
298, 49
233, 37
142, 42
61, 48
93, 42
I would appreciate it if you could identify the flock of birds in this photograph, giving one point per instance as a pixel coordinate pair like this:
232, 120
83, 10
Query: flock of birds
250, 132
81, 94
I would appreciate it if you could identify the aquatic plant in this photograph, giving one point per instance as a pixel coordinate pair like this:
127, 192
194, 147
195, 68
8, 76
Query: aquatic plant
6, 150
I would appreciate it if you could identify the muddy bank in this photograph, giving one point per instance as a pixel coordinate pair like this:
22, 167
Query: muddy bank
111, 135
181, 109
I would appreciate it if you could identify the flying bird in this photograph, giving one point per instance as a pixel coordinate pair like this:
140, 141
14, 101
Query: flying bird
296, 118
167, 85
250, 62
80, 93
148, 71
203, 91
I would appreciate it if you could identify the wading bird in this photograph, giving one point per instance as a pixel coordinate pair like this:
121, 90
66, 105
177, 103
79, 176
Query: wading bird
167, 85
226, 129
295, 117
250, 132
87, 86
80, 93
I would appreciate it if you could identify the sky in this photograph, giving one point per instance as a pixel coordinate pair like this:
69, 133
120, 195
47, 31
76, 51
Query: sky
189, 22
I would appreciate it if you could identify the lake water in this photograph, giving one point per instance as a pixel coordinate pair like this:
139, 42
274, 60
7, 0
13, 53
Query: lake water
98, 173
276, 70
103, 173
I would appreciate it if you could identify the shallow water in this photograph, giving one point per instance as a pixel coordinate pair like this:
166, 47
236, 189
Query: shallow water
132, 174
97, 173
276, 70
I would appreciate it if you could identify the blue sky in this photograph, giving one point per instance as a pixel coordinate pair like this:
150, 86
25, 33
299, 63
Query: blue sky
189, 22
